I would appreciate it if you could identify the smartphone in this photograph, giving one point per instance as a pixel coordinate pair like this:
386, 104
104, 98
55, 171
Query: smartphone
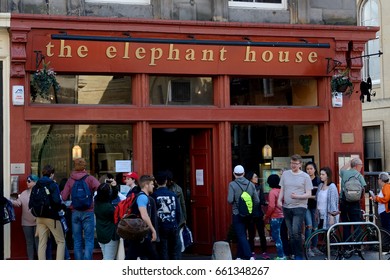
108, 181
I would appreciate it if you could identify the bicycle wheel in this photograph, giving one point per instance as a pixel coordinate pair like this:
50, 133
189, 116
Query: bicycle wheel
371, 251
320, 252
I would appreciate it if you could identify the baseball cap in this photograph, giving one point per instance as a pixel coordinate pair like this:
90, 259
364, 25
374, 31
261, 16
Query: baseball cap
132, 175
239, 169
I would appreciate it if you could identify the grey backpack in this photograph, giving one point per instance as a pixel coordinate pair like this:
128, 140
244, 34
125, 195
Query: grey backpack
353, 189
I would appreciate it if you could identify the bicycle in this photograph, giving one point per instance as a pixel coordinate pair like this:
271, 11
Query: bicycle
362, 243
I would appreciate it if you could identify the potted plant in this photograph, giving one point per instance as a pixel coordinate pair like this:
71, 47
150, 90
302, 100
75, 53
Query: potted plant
42, 81
341, 82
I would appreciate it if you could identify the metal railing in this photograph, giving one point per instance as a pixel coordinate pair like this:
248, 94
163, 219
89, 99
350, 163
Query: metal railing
352, 242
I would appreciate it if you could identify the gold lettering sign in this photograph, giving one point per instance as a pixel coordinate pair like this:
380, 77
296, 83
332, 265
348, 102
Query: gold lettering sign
182, 58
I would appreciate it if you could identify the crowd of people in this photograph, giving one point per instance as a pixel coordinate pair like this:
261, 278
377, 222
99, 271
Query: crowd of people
303, 199
159, 202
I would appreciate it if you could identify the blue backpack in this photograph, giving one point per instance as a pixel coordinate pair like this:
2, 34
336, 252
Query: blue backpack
81, 195
9, 213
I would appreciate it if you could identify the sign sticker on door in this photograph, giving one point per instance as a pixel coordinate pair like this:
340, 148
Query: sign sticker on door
199, 177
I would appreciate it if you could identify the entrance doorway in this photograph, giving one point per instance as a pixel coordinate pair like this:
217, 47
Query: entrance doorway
187, 154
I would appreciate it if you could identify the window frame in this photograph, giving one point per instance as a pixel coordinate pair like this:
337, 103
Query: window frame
130, 2
256, 5
369, 62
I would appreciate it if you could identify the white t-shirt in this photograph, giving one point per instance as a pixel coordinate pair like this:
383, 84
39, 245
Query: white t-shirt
322, 198
298, 183
381, 206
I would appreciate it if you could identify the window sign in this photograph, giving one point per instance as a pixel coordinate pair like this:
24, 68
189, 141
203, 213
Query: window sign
122, 165
199, 177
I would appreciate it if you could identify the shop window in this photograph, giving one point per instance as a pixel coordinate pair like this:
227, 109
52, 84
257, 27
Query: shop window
90, 89
248, 141
101, 145
273, 92
181, 90
372, 148
261, 4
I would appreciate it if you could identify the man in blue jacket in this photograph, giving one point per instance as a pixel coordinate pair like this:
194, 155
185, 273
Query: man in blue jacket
49, 221
168, 213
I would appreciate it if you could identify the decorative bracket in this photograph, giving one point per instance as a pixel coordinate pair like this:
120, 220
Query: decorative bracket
337, 63
39, 57
329, 67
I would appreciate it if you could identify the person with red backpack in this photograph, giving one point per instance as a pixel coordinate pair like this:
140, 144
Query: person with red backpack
83, 220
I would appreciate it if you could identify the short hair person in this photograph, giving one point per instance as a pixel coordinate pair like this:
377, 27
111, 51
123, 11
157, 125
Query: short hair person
295, 190
240, 224
350, 211
383, 199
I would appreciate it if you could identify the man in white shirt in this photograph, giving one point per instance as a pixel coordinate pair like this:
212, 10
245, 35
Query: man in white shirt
295, 190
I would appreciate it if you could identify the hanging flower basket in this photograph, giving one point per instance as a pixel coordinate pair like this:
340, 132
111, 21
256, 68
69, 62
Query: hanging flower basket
42, 81
341, 83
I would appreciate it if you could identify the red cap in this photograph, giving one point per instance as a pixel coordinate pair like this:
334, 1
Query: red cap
132, 175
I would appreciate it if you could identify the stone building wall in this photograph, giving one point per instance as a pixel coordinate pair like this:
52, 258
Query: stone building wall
328, 12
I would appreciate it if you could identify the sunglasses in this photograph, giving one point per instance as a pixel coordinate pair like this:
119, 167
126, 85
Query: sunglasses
29, 181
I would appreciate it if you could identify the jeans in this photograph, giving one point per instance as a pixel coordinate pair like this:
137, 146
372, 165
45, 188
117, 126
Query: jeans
385, 220
257, 223
350, 212
31, 241
311, 225
83, 229
275, 224
284, 237
294, 221
145, 250
167, 247
109, 249
243, 248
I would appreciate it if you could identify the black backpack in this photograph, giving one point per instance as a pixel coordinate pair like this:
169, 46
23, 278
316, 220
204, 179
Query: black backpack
81, 195
40, 202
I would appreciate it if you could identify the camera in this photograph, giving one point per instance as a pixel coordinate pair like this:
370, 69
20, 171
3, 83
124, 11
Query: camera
108, 181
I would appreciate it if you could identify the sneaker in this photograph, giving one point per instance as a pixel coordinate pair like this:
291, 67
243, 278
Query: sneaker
310, 253
280, 258
316, 251
265, 256
238, 259
254, 255
252, 258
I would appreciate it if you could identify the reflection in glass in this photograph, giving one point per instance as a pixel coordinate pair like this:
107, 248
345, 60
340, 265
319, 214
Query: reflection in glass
166, 90
273, 92
88, 89
248, 141
100, 144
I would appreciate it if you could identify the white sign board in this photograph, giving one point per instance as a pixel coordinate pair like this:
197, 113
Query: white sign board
122, 165
199, 177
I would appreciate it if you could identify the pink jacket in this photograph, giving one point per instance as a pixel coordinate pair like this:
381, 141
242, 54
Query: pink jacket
27, 218
273, 211
91, 181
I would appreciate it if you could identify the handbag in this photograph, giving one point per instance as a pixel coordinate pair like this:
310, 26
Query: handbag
132, 227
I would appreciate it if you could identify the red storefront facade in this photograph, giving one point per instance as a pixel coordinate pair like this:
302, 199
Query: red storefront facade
148, 49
